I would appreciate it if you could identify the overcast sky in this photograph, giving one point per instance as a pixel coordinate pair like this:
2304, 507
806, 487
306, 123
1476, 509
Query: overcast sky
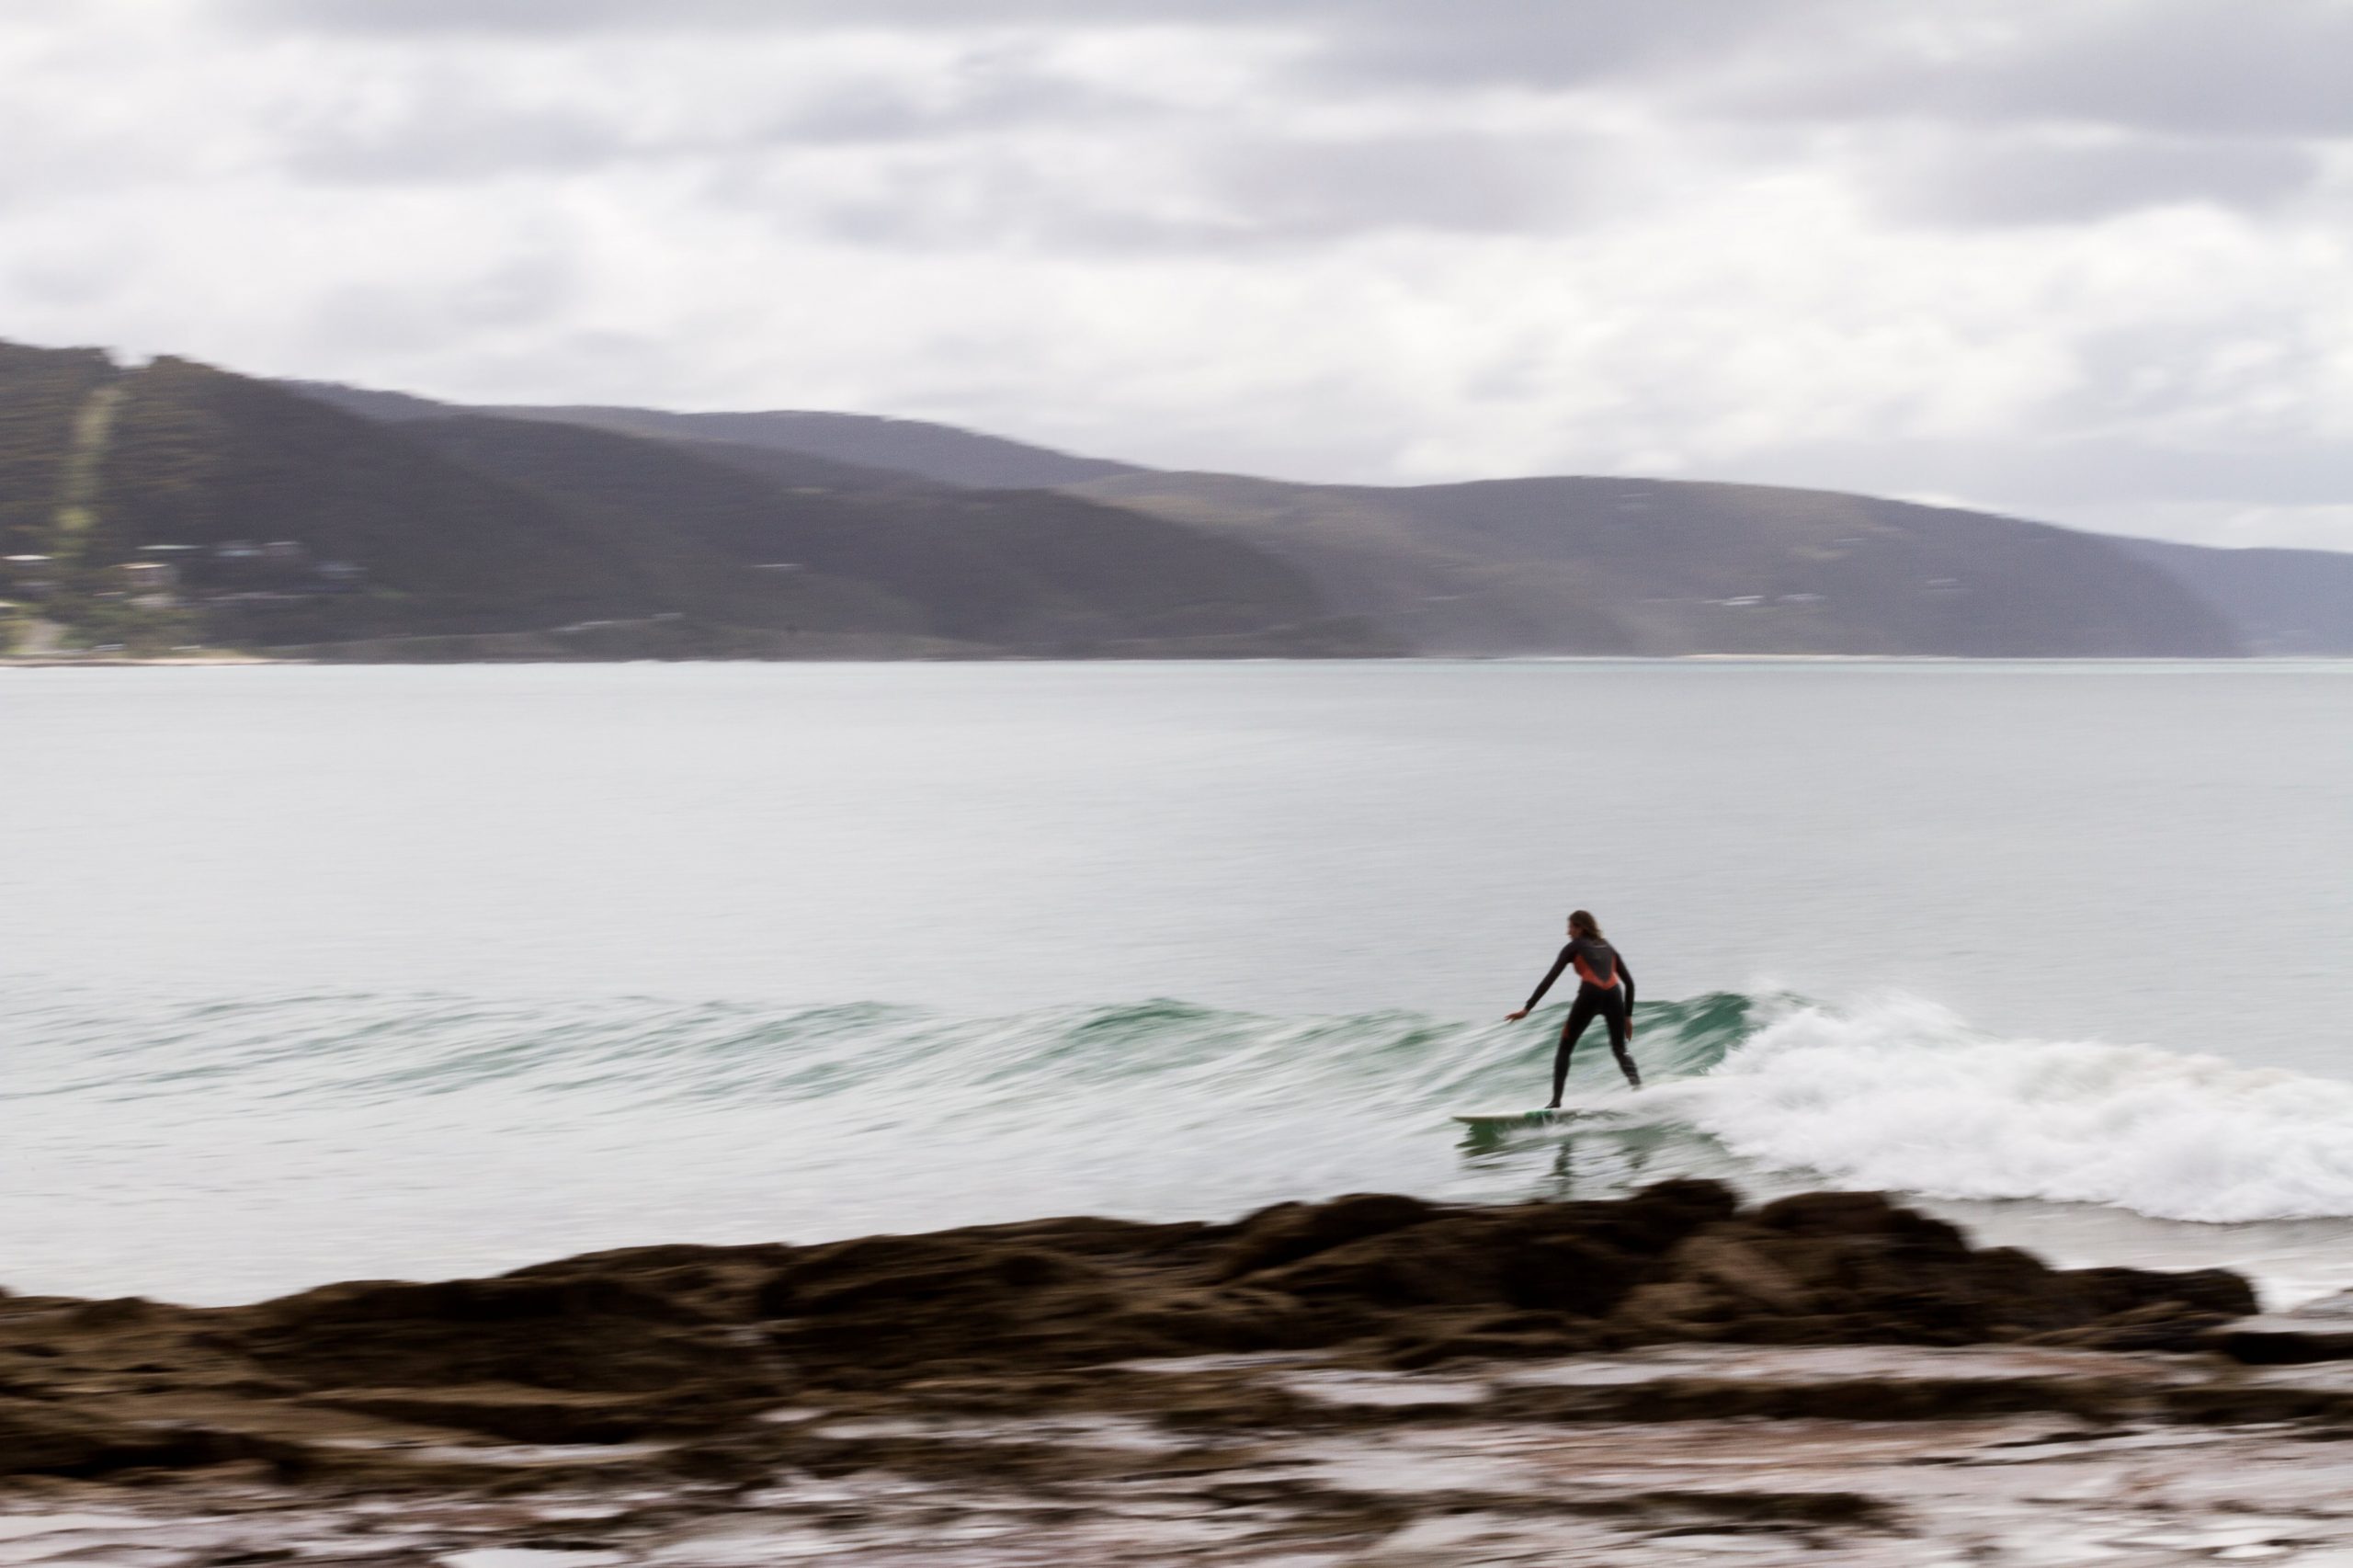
2089, 260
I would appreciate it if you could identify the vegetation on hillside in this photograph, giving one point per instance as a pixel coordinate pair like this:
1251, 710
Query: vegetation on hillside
175, 502
1034, 569
178, 501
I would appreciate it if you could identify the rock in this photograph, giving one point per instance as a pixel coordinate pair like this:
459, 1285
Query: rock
1656, 1218
1288, 1232
545, 1416
2162, 1326
884, 1306
1449, 1262
45, 1440
2113, 1291
1568, 1274
696, 1342
1855, 1214
1732, 1267
590, 1334
2318, 1331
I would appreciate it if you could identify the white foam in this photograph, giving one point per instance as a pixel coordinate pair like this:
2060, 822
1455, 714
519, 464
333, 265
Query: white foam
1902, 1095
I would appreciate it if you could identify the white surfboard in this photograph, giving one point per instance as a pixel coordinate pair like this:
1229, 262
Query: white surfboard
1499, 1120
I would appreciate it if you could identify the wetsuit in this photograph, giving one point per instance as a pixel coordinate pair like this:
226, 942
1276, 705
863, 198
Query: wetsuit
1606, 989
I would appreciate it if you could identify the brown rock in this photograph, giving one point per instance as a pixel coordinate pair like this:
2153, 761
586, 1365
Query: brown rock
1288, 1232
2319, 1331
1740, 1269
590, 1334
45, 1440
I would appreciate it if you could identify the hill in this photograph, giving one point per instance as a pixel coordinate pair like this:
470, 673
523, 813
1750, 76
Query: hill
940, 453
1024, 569
1582, 565
2281, 601
1650, 567
900, 527
42, 393
178, 501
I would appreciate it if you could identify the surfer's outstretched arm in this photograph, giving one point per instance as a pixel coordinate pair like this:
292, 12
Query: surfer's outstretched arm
1545, 984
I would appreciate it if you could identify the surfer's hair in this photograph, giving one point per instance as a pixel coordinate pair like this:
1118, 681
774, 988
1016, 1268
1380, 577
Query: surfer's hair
1582, 923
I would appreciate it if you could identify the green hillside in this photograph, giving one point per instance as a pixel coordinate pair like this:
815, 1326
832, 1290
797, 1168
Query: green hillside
42, 393
365, 524
1013, 568
282, 519
941, 453
852, 443
1617, 566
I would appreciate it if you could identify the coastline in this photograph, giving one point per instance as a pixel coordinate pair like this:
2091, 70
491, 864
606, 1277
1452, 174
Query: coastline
1829, 1376
533, 649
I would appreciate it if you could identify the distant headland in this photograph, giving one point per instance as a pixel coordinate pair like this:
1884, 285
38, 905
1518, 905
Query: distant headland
179, 513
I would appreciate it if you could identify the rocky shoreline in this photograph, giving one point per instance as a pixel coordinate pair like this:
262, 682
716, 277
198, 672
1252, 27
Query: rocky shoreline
1370, 1379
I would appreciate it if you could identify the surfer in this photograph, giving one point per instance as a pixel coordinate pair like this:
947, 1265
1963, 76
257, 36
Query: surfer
1606, 989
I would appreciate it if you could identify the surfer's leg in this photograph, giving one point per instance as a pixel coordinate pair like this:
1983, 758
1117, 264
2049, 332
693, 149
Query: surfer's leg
1579, 1016
1615, 1015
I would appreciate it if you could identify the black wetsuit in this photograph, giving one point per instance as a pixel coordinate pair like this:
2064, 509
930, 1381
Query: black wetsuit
1606, 991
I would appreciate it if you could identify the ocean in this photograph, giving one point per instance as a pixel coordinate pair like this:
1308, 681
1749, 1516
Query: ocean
316, 973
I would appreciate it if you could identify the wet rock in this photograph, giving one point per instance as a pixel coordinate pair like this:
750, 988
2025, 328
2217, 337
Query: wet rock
543, 1416
693, 1343
1748, 1275
118, 1313
1855, 1214
889, 1305
2112, 1292
1451, 1262
1289, 1231
1568, 1274
2318, 1331
2269, 1396
2162, 1326
46, 1440
590, 1334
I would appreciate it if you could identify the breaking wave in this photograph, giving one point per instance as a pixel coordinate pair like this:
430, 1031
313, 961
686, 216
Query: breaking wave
231, 1150
1902, 1095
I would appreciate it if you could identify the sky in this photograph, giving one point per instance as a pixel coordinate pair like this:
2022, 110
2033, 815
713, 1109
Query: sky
2084, 260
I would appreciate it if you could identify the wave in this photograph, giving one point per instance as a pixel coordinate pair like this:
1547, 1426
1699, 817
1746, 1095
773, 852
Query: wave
1170, 1107
370, 1048
1902, 1095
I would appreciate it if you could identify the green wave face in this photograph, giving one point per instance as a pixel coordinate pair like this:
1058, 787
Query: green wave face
377, 1050
232, 1149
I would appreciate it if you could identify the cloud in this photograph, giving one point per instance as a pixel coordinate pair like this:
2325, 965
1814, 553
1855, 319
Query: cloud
2086, 261
2032, 178
2172, 67
1469, 183
573, 19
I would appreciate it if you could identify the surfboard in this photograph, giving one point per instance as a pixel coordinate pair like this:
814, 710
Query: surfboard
1498, 1119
